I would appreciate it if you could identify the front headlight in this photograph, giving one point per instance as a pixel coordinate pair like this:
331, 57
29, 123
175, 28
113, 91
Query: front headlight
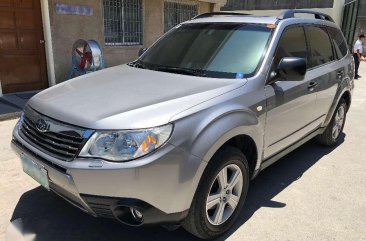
125, 145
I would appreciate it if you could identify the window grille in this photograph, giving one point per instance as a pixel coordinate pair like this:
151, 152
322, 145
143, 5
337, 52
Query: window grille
177, 11
122, 22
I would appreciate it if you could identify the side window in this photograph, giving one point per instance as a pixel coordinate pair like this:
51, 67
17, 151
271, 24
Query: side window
320, 45
292, 44
339, 43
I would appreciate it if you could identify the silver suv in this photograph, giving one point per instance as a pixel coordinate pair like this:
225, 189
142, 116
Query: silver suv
175, 137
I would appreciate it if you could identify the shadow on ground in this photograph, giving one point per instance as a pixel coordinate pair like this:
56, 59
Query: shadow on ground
51, 218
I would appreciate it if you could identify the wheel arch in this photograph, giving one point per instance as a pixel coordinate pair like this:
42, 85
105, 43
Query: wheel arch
347, 96
247, 146
245, 132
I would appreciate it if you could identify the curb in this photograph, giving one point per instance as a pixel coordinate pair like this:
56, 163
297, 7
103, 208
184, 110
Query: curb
10, 116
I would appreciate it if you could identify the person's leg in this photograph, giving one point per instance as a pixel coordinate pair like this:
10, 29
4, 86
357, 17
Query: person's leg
357, 65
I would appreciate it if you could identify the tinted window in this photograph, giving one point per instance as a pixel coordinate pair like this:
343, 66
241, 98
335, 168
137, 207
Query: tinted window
339, 43
321, 48
220, 50
292, 44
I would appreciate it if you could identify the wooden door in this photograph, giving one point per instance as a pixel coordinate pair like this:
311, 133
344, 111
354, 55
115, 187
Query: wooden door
22, 50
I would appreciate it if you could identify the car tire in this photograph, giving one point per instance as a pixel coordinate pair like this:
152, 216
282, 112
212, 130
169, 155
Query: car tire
203, 221
332, 133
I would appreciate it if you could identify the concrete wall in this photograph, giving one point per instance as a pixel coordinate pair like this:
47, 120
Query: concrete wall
66, 29
337, 12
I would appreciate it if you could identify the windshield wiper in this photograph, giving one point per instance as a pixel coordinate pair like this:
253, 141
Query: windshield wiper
178, 70
137, 64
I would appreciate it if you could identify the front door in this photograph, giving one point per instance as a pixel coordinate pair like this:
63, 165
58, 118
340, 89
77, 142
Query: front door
290, 104
22, 52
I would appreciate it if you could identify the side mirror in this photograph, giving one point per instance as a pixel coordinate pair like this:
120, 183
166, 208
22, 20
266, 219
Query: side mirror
291, 69
142, 51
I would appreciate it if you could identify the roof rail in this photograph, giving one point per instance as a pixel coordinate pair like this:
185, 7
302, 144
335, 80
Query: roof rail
212, 14
318, 15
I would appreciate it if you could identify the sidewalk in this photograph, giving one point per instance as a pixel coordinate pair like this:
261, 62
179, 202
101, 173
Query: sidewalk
12, 104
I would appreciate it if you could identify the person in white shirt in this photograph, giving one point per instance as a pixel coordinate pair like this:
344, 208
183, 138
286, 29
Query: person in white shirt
357, 53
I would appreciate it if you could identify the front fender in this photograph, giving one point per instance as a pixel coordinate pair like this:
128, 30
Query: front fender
211, 129
203, 135
203, 129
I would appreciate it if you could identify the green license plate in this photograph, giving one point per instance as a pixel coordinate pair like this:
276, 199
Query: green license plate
34, 170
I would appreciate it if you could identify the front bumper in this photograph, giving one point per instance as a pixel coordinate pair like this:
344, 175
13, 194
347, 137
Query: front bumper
161, 185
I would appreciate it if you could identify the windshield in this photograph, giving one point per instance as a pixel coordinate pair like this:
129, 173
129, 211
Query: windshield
219, 50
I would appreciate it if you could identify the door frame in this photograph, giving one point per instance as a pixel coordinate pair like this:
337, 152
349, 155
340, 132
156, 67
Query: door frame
48, 42
46, 22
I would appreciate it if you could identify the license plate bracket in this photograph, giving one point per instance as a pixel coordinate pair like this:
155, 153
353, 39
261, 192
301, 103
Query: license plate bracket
36, 171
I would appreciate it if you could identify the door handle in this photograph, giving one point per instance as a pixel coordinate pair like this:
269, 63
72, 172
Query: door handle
312, 85
340, 74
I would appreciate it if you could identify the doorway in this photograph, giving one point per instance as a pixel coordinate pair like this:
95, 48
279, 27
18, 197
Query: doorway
22, 46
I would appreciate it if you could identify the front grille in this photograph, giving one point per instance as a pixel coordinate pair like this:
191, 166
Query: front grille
60, 140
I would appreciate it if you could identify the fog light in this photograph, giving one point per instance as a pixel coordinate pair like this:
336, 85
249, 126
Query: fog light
136, 214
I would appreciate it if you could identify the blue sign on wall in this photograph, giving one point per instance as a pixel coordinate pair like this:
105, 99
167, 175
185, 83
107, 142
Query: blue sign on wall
72, 9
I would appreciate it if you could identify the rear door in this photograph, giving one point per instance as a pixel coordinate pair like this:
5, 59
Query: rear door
325, 69
290, 104
22, 52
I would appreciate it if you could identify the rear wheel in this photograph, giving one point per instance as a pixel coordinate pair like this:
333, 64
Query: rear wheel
220, 196
334, 130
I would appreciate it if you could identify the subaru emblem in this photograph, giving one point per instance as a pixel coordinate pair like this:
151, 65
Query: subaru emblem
42, 125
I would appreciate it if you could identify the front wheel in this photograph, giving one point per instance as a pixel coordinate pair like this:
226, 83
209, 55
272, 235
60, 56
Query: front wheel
220, 196
334, 130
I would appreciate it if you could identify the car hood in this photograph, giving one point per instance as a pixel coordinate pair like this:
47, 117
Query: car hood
125, 97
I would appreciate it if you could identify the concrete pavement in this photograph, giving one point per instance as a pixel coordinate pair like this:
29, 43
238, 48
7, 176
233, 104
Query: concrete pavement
314, 193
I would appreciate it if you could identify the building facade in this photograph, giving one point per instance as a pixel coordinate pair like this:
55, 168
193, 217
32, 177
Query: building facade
36, 36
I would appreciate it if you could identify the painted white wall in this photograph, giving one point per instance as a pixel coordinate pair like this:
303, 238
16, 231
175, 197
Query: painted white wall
337, 13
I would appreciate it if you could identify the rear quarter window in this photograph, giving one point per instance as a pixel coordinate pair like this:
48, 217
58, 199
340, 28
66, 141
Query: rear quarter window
339, 42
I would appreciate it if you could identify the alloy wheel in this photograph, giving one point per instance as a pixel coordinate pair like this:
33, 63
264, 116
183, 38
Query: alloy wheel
224, 195
338, 122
